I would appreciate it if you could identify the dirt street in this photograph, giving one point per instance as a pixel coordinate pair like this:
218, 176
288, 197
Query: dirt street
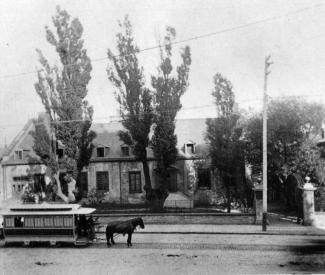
173, 254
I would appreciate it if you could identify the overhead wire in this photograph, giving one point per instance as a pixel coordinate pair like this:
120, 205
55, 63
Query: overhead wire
183, 41
235, 28
118, 117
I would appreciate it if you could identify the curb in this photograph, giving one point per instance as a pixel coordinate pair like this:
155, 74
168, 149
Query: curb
285, 233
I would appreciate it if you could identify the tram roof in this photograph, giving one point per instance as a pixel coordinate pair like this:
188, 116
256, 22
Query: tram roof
47, 209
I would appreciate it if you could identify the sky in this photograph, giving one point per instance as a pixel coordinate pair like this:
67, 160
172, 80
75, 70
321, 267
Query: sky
244, 33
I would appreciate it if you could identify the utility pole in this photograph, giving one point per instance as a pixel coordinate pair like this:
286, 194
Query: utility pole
266, 73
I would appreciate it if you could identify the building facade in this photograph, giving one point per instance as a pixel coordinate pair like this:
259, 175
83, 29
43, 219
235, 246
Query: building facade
113, 170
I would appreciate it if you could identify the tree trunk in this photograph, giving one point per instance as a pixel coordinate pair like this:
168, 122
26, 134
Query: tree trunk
228, 196
79, 185
147, 180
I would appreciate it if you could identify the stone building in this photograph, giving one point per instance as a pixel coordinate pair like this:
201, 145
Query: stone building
113, 169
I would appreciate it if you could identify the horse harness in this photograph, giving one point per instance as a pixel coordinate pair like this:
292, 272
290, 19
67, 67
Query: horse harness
116, 234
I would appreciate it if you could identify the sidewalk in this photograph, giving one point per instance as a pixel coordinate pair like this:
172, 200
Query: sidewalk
231, 229
279, 225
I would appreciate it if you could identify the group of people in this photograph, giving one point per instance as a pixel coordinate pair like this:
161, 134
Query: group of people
53, 190
71, 194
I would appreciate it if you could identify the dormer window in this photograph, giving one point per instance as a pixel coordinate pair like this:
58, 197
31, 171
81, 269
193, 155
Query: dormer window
190, 149
18, 155
125, 150
102, 151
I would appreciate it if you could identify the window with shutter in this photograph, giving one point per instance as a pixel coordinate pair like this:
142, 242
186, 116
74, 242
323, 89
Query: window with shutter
135, 182
102, 181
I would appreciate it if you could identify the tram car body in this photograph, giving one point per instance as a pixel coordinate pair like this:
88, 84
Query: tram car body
51, 223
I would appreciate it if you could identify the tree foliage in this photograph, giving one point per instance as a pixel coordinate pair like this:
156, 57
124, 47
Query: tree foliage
224, 137
292, 126
63, 90
168, 91
134, 98
43, 143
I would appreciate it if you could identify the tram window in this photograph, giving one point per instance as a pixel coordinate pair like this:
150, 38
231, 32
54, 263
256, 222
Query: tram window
9, 222
29, 222
19, 221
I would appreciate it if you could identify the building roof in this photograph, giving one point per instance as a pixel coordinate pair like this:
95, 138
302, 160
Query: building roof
187, 130
190, 130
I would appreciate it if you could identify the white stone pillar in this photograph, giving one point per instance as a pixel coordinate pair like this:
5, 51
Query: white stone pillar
308, 202
258, 203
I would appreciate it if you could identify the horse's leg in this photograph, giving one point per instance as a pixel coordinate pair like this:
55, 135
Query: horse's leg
129, 239
108, 237
112, 240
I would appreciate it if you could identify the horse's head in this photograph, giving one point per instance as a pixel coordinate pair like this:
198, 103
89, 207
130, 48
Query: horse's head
140, 222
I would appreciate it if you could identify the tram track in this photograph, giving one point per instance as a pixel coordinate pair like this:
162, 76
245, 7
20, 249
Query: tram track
149, 241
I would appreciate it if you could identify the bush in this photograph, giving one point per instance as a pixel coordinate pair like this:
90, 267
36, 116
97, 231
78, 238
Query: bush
94, 197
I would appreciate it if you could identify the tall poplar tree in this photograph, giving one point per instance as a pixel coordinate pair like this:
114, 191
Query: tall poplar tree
134, 98
224, 137
168, 89
63, 89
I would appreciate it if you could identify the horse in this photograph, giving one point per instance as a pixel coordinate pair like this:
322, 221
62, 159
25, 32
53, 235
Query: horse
124, 227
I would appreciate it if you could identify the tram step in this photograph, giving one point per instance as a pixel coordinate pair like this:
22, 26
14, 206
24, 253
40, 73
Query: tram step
82, 241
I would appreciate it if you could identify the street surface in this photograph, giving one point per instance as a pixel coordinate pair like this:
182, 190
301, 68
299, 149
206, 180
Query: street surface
173, 254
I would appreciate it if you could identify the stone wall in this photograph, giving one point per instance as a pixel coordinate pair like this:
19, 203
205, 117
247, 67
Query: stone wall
118, 173
183, 218
113, 195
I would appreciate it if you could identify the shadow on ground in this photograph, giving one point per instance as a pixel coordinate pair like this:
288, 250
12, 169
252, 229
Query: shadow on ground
309, 257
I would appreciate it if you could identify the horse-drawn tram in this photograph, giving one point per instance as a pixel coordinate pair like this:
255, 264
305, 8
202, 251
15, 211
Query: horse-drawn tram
51, 223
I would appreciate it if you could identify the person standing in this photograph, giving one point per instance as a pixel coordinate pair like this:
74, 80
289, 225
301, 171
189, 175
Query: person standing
71, 188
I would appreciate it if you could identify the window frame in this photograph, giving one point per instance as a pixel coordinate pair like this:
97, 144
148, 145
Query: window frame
206, 173
103, 152
125, 153
97, 186
191, 147
19, 155
133, 187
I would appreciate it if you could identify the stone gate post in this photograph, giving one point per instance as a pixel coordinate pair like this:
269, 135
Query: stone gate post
308, 202
258, 202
